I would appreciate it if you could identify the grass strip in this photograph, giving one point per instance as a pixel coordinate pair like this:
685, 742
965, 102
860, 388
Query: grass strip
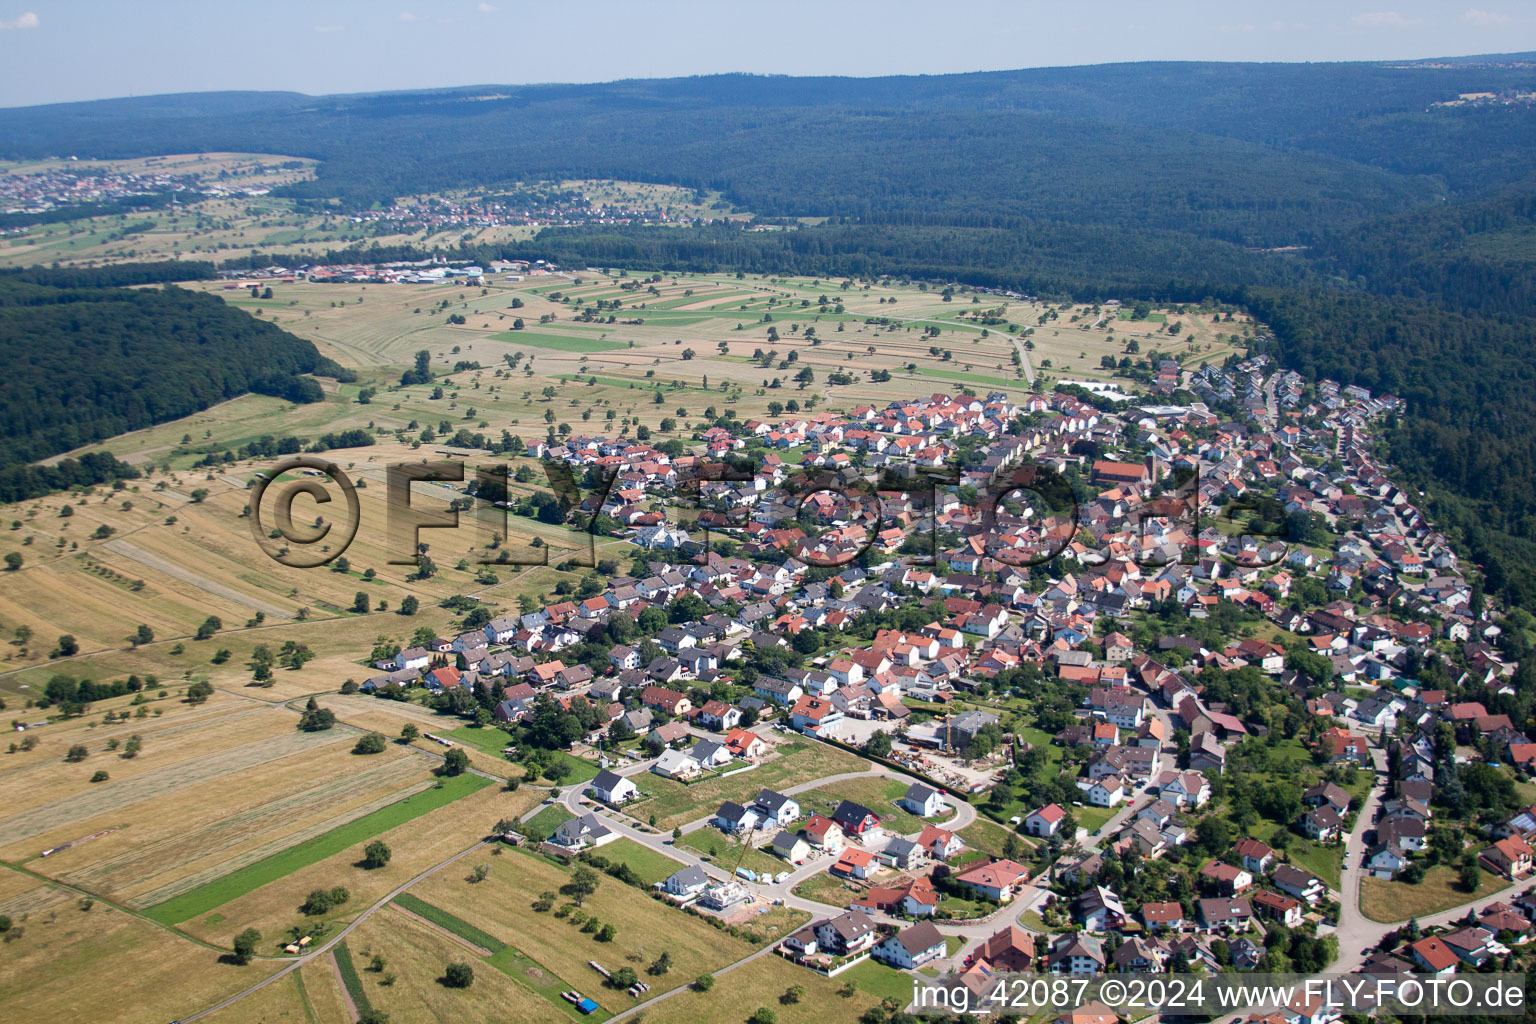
349, 977
253, 876
440, 917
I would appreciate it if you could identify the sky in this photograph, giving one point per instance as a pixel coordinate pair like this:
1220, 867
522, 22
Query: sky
93, 49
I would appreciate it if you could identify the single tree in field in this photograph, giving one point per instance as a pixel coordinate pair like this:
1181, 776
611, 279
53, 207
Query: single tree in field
77, 753
409, 732
455, 762
13, 560
360, 603
143, 635
459, 975
245, 945
132, 747
584, 882
376, 854
315, 718
369, 743
409, 605
623, 978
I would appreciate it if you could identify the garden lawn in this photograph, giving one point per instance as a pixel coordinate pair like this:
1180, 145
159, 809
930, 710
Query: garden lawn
651, 865
542, 825
826, 888
878, 793
880, 981
1387, 902
1323, 861
723, 850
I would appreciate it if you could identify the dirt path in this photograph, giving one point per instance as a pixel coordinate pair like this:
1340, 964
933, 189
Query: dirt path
346, 995
461, 940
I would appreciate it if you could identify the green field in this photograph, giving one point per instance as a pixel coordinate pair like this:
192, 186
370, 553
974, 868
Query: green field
348, 971
879, 794
440, 917
651, 865
253, 876
525, 970
558, 342
880, 981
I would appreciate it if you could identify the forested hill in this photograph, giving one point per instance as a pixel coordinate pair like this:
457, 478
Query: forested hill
1264, 154
83, 364
1416, 223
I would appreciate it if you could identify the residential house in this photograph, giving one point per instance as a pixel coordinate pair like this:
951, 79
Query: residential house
688, 881
582, 833
855, 819
1224, 914
912, 947
791, 847
612, 788
997, 880
1075, 953
675, 764
776, 807
922, 800
1045, 821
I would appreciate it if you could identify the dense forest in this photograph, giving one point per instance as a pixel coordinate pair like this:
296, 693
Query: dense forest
1409, 230
87, 363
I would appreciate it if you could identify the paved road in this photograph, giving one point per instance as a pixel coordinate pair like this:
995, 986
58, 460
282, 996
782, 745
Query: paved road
1029, 371
1356, 933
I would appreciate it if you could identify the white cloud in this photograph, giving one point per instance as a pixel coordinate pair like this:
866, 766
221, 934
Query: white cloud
26, 20
1237, 28
327, 28
1485, 19
485, 8
1385, 19
408, 16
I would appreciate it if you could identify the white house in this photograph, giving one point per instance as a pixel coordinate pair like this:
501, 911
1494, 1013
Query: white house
675, 764
583, 832
1045, 821
612, 788
688, 881
1106, 792
733, 817
922, 800
776, 807
412, 658
912, 947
